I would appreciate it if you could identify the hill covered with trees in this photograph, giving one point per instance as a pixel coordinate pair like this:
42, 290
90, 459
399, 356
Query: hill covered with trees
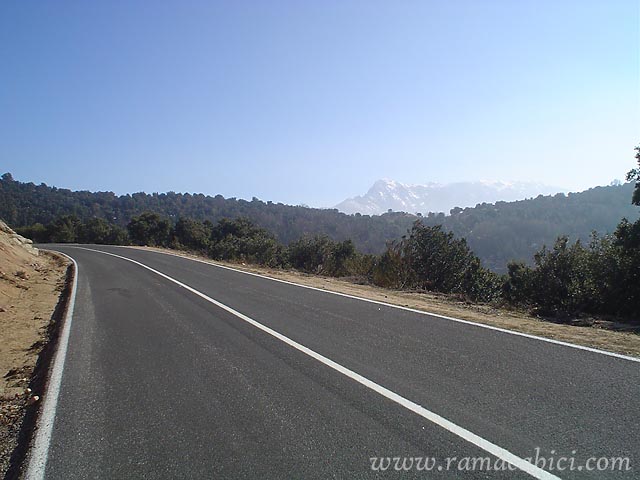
24, 204
497, 233
505, 231
599, 277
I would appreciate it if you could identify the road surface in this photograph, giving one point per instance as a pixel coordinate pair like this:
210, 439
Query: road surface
180, 369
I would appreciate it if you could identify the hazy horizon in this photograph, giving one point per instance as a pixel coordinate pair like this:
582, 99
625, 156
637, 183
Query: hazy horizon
306, 103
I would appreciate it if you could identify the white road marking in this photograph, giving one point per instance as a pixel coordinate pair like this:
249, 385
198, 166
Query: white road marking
463, 433
40, 449
408, 309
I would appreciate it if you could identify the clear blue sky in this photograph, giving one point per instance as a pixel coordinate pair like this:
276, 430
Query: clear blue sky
312, 101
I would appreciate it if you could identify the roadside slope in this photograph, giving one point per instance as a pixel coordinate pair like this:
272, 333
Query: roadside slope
30, 285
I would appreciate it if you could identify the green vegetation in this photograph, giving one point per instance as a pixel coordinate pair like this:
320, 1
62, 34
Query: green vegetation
634, 175
568, 279
322, 256
70, 229
496, 233
571, 279
600, 276
515, 231
241, 240
433, 260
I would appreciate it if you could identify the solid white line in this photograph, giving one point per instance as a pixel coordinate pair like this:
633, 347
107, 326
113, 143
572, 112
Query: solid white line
408, 309
463, 433
40, 450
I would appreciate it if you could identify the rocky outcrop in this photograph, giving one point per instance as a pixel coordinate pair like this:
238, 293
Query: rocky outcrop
16, 239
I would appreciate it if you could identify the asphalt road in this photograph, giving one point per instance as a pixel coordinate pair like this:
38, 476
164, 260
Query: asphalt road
160, 382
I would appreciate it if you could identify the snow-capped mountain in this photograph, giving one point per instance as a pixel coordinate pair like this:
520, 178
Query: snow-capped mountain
436, 197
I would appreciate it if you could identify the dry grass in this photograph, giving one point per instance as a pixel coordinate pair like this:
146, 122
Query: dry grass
598, 334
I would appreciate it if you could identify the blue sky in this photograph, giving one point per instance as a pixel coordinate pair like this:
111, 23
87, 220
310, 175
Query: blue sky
311, 102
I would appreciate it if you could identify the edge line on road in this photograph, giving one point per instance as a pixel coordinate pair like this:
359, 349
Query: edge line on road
40, 450
400, 307
453, 428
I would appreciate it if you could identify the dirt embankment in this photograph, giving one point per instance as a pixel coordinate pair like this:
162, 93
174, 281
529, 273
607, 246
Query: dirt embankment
30, 285
595, 333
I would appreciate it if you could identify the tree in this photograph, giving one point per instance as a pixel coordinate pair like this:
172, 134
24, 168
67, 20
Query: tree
99, 231
193, 234
149, 229
634, 175
240, 239
518, 288
337, 258
308, 253
625, 282
560, 278
392, 270
64, 229
431, 259
438, 259
36, 232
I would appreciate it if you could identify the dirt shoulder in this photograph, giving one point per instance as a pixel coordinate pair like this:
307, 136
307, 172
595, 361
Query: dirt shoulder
30, 285
596, 334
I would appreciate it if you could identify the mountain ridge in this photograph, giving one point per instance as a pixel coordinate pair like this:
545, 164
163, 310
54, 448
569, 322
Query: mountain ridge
387, 194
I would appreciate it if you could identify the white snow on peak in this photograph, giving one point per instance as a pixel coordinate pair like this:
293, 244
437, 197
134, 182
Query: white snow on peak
387, 194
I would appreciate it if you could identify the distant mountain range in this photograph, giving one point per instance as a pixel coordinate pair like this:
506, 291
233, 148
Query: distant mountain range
387, 195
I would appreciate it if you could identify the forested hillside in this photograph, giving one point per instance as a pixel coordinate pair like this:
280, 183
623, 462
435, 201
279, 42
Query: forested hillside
507, 231
566, 278
23, 204
497, 232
